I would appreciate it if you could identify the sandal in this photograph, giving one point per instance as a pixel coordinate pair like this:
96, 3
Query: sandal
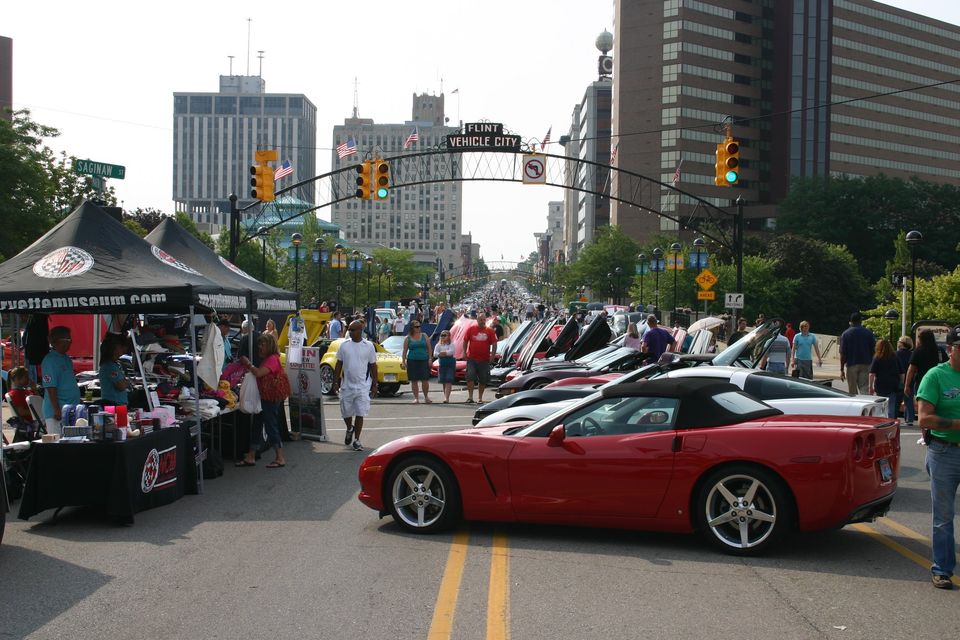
276, 465
428, 401
244, 463
469, 400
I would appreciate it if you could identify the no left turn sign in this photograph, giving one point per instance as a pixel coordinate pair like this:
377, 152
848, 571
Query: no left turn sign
534, 169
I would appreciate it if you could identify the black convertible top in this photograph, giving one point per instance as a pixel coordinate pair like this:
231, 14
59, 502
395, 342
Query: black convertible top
699, 405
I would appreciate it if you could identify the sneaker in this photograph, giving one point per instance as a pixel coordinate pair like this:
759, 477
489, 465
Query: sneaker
942, 582
357, 446
349, 437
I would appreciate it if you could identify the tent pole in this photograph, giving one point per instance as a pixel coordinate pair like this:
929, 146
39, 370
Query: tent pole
196, 393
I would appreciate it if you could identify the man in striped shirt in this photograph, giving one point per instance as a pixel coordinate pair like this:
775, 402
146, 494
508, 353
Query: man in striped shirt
776, 357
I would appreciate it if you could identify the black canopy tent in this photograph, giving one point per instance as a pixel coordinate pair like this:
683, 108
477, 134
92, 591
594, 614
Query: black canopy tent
91, 263
172, 238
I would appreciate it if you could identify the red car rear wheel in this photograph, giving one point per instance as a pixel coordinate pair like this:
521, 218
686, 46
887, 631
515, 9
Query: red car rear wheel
743, 510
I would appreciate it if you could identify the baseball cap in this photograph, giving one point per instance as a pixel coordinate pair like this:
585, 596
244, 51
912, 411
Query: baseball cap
651, 317
953, 336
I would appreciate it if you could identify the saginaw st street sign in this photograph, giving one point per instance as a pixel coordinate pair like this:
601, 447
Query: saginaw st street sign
484, 136
101, 169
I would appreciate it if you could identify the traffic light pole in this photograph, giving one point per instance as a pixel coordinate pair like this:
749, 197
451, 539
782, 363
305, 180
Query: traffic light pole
738, 244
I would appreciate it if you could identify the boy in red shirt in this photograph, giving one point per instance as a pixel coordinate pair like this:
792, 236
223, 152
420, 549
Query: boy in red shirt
480, 345
20, 388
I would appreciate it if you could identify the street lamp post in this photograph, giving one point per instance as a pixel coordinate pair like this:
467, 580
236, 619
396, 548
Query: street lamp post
380, 281
355, 267
369, 269
914, 238
698, 257
390, 283
619, 272
339, 249
641, 270
675, 249
657, 268
891, 316
262, 232
318, 257
295, 240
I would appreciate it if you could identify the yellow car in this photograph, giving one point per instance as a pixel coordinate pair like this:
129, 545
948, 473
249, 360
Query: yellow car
389, 374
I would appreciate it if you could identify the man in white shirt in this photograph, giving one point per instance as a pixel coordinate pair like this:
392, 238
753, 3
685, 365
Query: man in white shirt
356, 379
398, 325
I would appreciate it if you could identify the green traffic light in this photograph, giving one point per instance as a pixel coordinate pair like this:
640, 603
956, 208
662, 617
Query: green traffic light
731, 176
382, 192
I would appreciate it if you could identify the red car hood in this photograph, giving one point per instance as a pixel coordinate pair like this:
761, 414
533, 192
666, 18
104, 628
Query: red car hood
602, 378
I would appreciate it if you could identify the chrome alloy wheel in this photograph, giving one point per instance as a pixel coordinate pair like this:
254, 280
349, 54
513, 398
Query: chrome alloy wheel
419, 496
741, 511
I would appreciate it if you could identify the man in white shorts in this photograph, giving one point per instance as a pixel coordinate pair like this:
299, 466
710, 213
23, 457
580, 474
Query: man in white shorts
356, 379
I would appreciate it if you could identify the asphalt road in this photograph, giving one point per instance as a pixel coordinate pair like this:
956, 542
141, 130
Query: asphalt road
291, 553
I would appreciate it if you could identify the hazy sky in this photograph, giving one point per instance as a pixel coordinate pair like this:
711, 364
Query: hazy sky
104, 74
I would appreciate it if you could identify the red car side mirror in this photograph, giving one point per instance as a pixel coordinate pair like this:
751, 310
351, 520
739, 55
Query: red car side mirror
557, 436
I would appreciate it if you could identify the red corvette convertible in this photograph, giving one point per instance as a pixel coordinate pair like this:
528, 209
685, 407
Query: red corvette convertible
671, 455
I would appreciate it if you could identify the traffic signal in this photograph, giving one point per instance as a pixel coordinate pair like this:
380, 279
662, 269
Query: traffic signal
364, 180
381, 179
262, 175
728, 163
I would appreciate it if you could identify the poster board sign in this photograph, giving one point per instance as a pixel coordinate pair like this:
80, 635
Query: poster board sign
306, 399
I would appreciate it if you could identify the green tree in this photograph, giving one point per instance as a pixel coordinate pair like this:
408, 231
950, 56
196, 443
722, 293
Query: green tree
830, 286
184, 221
867, 214
610, 249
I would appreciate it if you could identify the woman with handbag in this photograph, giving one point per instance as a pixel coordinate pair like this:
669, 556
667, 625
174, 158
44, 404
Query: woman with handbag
274, 388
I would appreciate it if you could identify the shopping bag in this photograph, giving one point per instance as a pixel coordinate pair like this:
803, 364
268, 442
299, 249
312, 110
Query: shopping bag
249, 394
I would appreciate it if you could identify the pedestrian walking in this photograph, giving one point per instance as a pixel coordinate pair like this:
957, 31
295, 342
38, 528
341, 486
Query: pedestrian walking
856, 353
336, 326
739, 333
416, 359
399, 325
938, 399
274, 388
480, 345
805, 344
656, 340
777, 356
632, 339
925, 356
904, 352
445, 352
355, 378
885, 375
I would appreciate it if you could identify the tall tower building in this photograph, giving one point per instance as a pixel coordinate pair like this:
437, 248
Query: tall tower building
6, 77
215, 135
427, 218
683, 69
589, 139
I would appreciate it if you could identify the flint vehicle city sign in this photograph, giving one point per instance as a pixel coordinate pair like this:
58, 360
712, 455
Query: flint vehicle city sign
483, 136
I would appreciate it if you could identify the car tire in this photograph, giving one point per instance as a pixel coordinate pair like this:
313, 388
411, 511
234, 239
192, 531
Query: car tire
326, 379
539, 384
422, 495
746, 527
389, 389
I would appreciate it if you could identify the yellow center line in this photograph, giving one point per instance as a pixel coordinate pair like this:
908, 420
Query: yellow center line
899, 548
498, 595
442, 624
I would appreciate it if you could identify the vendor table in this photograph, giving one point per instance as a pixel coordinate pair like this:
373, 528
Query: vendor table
124, 477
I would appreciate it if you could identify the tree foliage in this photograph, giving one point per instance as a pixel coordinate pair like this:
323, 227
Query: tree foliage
610, 249
867, 215
37, 188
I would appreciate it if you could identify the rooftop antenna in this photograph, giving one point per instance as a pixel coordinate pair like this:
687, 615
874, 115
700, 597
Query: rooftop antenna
356, 109
260, 57
249, 20
231, 64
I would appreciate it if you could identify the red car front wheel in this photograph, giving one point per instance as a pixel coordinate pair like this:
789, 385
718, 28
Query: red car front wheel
423, 495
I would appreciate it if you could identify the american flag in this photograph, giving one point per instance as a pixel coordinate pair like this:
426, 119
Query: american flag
413, 137
348, 148
613, 153
546, 138
676, 174
283, 171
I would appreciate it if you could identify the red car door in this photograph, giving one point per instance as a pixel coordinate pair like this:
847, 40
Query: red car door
613, 463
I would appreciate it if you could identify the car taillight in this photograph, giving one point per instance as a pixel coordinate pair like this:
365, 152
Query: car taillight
871, 447
857, 448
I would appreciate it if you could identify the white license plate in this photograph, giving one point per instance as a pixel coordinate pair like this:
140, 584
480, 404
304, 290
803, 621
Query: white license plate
886, 473
389, 377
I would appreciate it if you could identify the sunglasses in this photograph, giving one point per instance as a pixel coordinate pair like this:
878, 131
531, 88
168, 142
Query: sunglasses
415, 326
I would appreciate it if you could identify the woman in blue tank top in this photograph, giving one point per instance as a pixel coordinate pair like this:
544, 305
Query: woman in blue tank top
417, 356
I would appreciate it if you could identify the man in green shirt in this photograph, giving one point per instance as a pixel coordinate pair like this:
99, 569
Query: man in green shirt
939, 405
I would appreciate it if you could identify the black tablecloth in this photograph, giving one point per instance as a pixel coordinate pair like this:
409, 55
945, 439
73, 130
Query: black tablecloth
124, 477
